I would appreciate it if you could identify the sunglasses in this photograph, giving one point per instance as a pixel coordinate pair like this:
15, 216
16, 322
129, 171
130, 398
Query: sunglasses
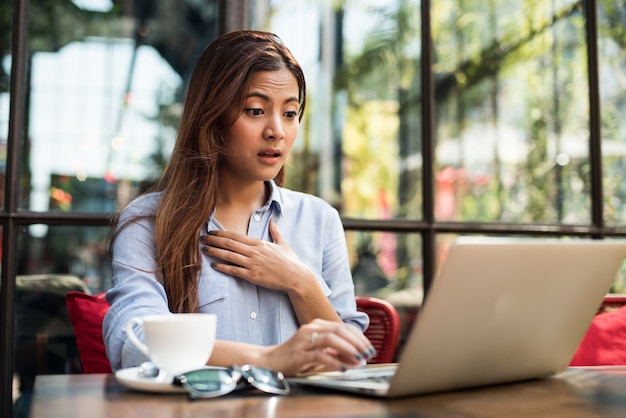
214, 382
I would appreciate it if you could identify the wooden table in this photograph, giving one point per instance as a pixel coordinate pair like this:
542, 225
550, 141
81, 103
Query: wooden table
595, 392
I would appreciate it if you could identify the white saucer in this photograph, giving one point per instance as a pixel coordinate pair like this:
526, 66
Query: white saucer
161, 384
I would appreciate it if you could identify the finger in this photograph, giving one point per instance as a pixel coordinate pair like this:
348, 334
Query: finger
225, 257
353, 336
232, 270
317, 359
275, 234
349, 345
251, 272
339, 349
363, 343
219, 236
220, 247
326, 360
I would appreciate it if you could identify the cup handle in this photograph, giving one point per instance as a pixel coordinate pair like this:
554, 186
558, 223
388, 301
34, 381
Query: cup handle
133, 338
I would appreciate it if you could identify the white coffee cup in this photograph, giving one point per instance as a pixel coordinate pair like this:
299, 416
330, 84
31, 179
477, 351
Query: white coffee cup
176, 343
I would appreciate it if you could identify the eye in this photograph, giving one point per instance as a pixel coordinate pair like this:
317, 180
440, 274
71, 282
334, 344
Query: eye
291, 115
254, 111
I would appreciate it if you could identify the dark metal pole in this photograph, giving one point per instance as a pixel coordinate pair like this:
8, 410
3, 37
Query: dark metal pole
595, 116
19, 70
233, 15
428, 149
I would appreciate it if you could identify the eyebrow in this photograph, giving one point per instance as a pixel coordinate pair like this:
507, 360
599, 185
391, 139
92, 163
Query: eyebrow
267, 98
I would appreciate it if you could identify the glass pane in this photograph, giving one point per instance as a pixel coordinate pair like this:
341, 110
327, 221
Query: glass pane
387, 265
106, 84
359, 145
53, 261
79, 251
612, 76
512, 123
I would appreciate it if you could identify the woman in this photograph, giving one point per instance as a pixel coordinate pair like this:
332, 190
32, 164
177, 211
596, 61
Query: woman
219, 234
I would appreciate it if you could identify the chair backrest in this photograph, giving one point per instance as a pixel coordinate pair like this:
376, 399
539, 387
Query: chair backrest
87, 313
384, 329
44, 337
612, 301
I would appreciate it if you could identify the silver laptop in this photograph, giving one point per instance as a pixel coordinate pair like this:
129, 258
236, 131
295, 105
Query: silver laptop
501, 310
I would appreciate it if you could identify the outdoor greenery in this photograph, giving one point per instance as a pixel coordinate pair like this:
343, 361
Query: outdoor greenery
511, 83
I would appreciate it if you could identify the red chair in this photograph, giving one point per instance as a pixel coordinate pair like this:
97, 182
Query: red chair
605, 341
384, 329
612, 301
86, 314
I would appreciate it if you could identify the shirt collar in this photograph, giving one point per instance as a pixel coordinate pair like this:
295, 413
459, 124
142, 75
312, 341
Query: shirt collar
275, 200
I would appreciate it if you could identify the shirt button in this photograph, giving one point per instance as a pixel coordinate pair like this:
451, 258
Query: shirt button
253, 315
257, 217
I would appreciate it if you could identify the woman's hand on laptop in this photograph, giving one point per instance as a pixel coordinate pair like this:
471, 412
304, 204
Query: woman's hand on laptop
320, 346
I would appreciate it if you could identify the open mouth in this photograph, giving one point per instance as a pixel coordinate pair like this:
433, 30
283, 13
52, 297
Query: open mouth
270, 154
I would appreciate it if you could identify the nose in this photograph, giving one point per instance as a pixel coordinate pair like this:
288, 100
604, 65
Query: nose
274, 131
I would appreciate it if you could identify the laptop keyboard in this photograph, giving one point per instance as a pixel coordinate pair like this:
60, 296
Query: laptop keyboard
375, 374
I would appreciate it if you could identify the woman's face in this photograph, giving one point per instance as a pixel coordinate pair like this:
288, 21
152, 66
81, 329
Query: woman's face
258, 143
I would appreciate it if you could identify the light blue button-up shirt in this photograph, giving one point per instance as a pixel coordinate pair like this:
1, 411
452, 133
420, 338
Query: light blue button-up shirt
245, 312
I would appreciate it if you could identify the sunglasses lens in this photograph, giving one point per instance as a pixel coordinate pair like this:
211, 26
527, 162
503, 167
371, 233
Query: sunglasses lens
266, 380
209, 383
213, 382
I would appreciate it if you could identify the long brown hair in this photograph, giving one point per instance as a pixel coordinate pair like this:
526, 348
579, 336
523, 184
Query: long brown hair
215, 99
